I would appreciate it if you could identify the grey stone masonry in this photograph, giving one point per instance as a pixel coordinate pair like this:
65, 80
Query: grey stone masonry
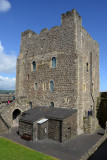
60, 67
4, 127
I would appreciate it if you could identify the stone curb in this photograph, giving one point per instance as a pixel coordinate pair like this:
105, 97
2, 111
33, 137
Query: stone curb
94, 147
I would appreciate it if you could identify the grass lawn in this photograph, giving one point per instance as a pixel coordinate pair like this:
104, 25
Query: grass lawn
12, 151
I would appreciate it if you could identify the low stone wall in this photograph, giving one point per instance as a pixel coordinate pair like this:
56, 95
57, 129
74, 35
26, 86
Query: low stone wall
6, 97
94, 148
4, 127
7, 110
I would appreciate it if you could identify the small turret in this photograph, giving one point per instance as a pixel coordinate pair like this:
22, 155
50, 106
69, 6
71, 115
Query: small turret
69, 16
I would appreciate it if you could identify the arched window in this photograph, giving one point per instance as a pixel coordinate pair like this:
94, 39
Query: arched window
51, 104
36, 86
51, 85
34, 65
53, 62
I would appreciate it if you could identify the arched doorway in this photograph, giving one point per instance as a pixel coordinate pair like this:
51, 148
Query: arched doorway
16, 113
51, 104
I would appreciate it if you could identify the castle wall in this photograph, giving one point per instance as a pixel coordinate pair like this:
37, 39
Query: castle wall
88, 76
69, 127
26, 128
76, 75
8, 110
57, 42
3, 126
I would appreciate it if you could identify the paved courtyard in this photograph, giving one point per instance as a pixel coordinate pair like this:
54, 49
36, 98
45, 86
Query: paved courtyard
69, 150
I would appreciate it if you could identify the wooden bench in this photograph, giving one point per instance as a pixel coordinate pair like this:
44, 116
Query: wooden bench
26, 136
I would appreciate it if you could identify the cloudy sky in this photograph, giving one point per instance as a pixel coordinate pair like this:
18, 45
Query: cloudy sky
17, 16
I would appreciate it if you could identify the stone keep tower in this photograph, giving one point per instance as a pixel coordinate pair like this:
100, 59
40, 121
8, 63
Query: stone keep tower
60, 67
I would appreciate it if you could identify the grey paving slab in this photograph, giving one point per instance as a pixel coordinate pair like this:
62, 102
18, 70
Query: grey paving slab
69, 150
101, 153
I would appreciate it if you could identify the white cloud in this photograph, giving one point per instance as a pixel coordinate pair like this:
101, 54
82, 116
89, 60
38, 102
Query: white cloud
7, 69
7, 83
4, 5
7, 62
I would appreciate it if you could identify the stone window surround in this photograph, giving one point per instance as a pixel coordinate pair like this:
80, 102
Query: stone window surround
51, 104
44, 86
51, 85
33, 66
53, 62
36, 86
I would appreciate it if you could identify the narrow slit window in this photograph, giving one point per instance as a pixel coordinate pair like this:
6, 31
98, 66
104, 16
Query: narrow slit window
87, 67
92, 87
53, 62
44, 86
84, 87
27, 76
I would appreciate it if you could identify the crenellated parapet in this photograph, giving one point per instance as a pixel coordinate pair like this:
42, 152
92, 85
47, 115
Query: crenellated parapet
70, 15
28, 32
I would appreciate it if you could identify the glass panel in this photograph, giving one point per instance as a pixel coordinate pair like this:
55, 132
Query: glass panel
53, 62
34, 65
51, 85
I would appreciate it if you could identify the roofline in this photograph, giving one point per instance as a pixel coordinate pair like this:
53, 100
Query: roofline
61, 119
30, 122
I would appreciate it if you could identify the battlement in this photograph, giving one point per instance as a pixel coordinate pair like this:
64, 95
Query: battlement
70, 13
73, 13
44, 30
28, 32
66, 18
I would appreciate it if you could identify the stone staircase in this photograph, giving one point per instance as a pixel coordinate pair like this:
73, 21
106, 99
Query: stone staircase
90, 124
4, 124
87, 124
6, 114
4, 127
